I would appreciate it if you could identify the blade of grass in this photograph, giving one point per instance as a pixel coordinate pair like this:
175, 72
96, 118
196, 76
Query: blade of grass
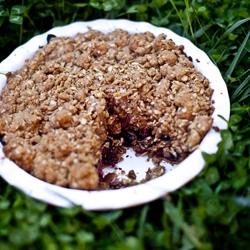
245, 73
245, 93
240, 110
231, 29
177, 219
245, 96
202, 30
142, 221
240, 88
178, 13
247, 49
157, 9
236, 59
188, 18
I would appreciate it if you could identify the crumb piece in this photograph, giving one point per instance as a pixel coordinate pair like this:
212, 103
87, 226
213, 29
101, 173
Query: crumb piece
215, 128
131, 174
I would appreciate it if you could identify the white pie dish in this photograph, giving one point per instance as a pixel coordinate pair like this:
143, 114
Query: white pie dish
130, 196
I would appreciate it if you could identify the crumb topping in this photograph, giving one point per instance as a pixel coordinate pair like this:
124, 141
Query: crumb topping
72, 108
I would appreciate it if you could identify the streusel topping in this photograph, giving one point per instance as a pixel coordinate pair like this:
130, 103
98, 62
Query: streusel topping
72, 108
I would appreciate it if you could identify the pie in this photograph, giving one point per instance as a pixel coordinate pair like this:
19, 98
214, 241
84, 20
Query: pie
75, 107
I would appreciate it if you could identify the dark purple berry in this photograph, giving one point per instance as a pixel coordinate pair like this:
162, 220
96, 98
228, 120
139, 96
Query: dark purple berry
49, 36
129, 137
110, 158
165, 138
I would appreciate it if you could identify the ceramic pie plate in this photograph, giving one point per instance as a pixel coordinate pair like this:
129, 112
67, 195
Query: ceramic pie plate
175, 176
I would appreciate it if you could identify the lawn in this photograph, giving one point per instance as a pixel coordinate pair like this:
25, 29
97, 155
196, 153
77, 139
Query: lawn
210, 212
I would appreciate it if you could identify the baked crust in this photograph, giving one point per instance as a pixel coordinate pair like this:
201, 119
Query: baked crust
71, 109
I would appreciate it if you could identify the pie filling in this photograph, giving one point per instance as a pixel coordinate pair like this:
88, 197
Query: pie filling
75, 107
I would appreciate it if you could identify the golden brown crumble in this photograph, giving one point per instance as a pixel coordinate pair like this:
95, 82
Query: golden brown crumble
71, 109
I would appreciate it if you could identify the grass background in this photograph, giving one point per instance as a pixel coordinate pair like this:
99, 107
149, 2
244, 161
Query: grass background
212, 211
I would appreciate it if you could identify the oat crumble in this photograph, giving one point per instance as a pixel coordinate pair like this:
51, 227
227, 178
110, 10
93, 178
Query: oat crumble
72, 108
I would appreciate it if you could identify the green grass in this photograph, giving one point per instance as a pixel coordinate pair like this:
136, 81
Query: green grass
212, 211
